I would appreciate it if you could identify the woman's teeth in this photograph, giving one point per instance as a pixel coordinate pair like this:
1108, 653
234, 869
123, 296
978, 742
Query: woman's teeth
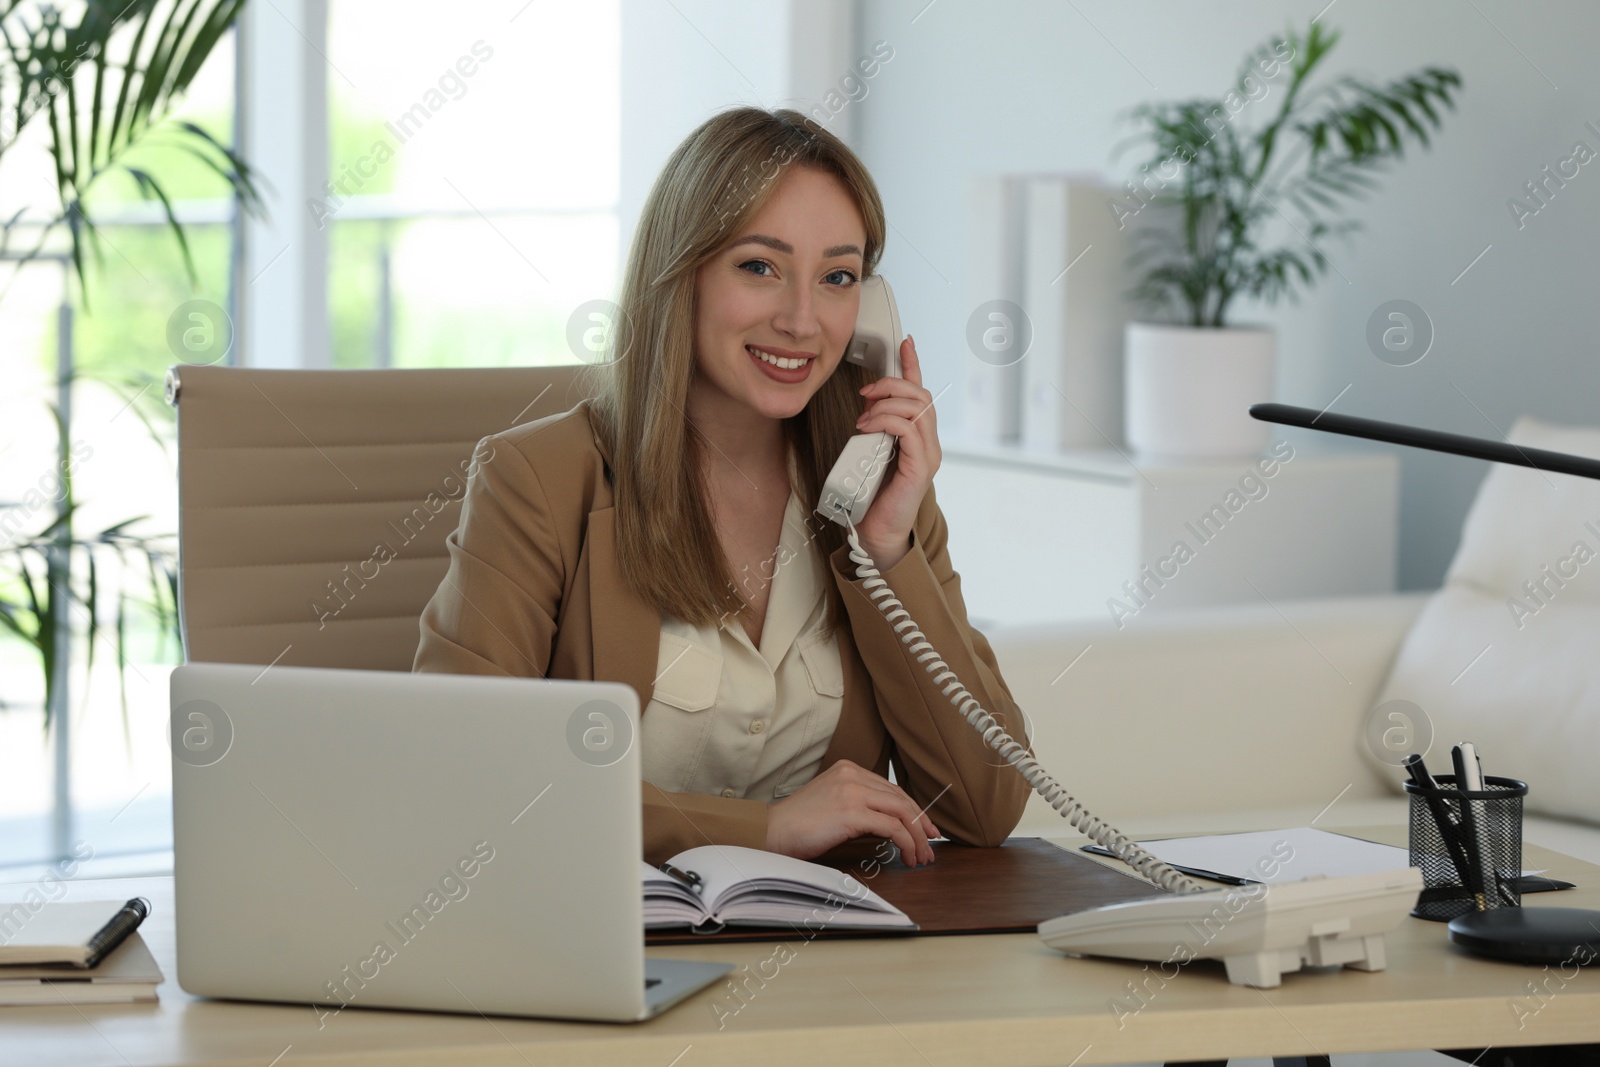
776, 361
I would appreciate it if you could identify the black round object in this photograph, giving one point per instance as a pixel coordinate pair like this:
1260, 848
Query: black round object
1531, 935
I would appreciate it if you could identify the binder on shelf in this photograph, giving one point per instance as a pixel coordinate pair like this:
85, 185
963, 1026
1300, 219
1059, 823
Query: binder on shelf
1075, 281
992, 333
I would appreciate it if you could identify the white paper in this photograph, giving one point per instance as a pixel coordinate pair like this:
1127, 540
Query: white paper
1281, 855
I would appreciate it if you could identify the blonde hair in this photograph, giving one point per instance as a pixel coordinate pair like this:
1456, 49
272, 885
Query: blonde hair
708, 191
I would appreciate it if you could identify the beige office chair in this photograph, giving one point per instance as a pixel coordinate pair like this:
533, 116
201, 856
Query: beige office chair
314, 504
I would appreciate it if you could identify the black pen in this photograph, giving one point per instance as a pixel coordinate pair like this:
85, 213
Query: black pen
1214, 876
1469, 832
688, 878
1476, 783
1441, 814
123, 923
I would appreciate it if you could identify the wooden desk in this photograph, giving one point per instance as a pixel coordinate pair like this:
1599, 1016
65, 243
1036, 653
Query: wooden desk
927, 1002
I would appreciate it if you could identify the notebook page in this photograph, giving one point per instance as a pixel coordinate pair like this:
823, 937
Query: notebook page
725, 866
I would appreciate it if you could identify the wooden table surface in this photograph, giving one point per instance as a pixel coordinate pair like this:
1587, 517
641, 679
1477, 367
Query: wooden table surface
929, 1002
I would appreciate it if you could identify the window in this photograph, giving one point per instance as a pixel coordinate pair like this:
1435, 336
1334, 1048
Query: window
115, 796
475, 175
473, 206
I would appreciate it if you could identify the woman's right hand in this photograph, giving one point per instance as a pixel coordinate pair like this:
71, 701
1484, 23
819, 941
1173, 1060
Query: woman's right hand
843, 802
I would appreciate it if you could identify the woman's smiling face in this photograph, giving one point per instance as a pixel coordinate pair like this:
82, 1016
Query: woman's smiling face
776, 306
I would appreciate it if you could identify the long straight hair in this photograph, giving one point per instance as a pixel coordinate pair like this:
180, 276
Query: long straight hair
711, 187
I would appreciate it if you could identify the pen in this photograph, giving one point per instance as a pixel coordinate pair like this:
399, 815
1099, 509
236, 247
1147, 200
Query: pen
1469, 825
1441, 813
1474, 769
123, 923
1480, 818
1214, 876
688, 878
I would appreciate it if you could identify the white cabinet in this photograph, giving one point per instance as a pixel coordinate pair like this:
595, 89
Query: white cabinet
1038, 537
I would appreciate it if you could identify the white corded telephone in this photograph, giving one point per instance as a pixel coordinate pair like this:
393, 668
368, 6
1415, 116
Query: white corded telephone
1321, 922
859, 470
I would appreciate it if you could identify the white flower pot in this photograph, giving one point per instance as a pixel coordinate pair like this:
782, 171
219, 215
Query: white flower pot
1189, 390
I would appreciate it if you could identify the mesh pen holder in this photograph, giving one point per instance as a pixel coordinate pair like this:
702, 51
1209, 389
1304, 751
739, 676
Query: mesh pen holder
1496, 812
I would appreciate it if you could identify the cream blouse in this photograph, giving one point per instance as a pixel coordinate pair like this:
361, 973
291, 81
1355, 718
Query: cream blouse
730, 719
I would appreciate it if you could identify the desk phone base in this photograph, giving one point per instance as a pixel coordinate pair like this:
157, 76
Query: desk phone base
1261, 932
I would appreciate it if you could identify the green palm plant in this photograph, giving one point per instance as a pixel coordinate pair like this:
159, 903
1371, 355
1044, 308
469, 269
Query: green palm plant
105, 78
1222, 181
44, 586
106, 83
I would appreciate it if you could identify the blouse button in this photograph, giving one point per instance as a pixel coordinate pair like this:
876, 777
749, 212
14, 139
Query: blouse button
727, 792
757, 726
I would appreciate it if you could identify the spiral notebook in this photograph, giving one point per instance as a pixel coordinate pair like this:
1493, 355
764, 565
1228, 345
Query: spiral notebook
78, 933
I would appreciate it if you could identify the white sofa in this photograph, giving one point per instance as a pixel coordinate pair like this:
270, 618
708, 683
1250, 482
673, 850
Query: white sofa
1225, 718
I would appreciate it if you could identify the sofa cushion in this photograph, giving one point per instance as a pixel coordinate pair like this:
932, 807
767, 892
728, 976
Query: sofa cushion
1504, 655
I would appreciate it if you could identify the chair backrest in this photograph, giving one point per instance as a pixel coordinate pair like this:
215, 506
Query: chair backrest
314, 504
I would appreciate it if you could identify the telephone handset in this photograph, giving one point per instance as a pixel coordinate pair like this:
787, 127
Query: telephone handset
848, 492
1321, 922
859, 470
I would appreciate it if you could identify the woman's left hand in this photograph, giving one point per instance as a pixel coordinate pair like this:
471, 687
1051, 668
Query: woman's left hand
900, 406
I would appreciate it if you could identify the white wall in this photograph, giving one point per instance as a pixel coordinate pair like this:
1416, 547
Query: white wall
282, 290
684, 61
983, 85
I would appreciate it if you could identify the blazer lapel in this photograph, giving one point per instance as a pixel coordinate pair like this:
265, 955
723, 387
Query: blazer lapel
626, 632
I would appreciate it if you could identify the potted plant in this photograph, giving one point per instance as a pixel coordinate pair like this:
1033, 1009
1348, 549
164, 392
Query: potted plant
52, 574
1223, 177
103, 78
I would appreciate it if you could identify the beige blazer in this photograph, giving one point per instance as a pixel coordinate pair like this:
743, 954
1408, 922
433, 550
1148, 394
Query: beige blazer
534, 590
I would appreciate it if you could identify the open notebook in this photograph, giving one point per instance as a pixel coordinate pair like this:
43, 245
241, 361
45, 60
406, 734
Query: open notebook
750, 887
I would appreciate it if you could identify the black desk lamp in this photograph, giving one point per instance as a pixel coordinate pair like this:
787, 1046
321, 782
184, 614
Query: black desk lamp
1522, 935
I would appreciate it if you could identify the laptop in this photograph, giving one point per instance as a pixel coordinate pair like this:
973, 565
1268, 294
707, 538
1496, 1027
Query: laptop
460, 843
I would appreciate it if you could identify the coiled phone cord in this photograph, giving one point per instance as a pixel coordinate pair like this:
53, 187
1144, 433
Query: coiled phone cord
995, 736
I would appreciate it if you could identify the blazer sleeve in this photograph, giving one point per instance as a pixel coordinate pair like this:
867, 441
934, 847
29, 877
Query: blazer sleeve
495, 612
973, 795
675, 822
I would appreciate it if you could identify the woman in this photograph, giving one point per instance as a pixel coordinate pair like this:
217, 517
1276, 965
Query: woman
633, 538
